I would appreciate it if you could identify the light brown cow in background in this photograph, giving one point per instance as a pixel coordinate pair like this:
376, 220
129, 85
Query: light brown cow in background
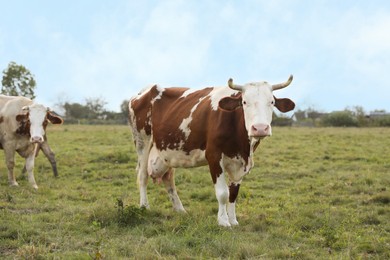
50, 155
22, 129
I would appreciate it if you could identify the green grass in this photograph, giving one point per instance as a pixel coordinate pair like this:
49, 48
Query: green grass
315, 193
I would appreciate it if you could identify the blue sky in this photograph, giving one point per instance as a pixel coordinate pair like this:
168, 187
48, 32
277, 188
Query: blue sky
338, 51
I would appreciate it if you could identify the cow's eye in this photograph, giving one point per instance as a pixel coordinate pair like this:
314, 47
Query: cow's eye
272, 102
244, 102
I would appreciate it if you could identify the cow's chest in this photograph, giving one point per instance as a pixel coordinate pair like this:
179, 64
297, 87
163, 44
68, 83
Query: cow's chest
236, 167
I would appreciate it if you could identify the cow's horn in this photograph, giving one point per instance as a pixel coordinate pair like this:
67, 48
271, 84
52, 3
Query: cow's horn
232, 86
283, 85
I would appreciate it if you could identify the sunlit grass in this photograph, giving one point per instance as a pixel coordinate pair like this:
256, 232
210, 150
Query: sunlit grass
315, 193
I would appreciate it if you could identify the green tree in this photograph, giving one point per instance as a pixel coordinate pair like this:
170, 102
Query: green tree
125, 108
96, 106
76, 111
18, 81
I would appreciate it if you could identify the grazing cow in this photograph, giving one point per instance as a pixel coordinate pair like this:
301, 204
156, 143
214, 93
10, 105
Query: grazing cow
22, 129
221, 127
42, 146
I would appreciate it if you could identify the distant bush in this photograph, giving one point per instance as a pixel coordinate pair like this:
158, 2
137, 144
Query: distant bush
383, 121
340, 118
282, 121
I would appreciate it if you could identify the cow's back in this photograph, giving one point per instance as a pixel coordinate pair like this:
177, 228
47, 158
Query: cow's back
179, 119
10, 107
140, 108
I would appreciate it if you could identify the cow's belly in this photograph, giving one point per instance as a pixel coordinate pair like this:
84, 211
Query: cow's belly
181, 159
160, 161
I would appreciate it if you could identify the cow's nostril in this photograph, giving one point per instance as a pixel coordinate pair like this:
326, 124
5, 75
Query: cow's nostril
260, 130
36, 139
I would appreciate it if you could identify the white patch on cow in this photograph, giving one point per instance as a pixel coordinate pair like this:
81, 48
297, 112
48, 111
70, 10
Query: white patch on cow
156, 165
231, 211
188, 92
236, 167
179, 158
146, 90
160, 92
222, 194
184, 126
218, 93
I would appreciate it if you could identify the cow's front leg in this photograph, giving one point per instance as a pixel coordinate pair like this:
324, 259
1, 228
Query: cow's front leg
49, 155
10, 162
169, 181
222, 193
233, 192
30, 160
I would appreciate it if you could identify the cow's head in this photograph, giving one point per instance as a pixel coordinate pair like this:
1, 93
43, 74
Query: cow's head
257, 101
33, 121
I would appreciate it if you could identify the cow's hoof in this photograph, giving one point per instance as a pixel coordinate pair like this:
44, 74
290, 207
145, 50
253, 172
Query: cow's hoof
14, 184
233, 222
35, 186
223, 223
180, 210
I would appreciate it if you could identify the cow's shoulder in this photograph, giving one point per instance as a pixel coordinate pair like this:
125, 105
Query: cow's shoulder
13, 106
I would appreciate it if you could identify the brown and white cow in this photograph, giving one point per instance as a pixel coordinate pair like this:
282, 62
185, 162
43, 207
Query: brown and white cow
218, 126
50, 155
22, 129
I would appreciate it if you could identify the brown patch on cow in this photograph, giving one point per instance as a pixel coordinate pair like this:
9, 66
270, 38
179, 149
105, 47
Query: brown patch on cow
168, 114
24, 125
233, 192
284, 104
142, 107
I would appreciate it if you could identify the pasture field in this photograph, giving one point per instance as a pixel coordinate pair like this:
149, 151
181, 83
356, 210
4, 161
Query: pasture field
315, 193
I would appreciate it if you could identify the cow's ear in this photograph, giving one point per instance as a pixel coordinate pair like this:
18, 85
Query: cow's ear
284, 104
54, 118
230, 103
21, 117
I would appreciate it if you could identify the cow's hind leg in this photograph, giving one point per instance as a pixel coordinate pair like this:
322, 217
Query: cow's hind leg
142, 180
142, 172
169, 181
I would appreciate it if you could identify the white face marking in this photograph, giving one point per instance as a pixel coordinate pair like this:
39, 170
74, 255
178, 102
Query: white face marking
258, 103
37, 116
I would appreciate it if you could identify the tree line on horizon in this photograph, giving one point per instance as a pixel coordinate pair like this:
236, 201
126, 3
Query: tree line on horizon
19, 81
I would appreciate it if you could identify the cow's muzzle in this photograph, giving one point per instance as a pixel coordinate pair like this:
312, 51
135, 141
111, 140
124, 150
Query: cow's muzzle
260, 130
36, 139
